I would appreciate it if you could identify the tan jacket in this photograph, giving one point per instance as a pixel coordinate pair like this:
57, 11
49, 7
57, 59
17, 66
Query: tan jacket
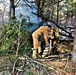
43, 30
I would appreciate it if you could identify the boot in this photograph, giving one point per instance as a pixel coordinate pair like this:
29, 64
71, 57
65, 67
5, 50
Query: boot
39, 52
34, 55
46, 52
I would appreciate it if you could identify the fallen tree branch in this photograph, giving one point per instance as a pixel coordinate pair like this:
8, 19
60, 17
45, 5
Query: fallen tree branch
50, 20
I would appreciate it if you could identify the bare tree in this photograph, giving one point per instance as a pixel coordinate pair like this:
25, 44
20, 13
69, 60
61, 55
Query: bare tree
14, 4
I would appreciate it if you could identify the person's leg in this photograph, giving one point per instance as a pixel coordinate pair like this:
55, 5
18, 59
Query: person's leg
35, 47
39, 47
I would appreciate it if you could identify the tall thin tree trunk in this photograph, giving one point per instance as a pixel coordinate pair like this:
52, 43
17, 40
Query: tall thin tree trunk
57, 29
13, 9
13, 12
58, 12
74, 46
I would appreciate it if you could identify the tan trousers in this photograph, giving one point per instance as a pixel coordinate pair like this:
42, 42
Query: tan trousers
36, 46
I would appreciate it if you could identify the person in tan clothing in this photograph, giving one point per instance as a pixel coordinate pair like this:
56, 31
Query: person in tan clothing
42, 31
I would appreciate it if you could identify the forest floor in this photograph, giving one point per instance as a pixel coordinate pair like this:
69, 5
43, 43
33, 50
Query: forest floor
60, 64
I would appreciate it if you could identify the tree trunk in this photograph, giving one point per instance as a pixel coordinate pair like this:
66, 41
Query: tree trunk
13, 12
74, 46
13, 9
74, 51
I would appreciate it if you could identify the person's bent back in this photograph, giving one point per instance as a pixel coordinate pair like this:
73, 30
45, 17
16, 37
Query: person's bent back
42, 31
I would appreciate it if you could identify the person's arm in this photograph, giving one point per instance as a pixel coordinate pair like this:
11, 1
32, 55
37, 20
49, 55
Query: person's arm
46, 38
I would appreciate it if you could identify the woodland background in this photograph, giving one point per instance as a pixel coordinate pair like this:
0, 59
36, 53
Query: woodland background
16, 40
